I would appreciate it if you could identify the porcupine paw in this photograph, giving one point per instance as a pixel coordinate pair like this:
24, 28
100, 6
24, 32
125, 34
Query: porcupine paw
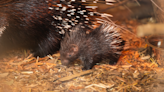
88, 66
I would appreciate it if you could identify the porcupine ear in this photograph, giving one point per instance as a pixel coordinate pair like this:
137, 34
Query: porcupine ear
73, 51
74, 48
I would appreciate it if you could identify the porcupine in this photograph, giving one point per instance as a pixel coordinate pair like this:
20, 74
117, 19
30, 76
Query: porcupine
104, 42
39, 25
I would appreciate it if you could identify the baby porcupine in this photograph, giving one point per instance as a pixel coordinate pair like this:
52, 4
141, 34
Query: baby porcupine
104, 42
39, 25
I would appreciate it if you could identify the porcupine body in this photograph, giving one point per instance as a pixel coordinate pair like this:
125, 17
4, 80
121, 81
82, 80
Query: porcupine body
104, 42
38, 25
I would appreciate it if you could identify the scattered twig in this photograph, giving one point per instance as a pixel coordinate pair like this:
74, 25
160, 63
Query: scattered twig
75, 75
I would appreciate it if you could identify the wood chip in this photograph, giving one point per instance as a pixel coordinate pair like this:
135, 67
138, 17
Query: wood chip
100, 85
145, 57
75, 75
2, 75
27, 72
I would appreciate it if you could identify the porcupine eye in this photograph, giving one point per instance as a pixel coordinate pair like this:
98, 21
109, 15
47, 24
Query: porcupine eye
69, 55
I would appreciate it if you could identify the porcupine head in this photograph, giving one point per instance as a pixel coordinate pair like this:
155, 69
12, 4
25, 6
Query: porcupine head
71, 45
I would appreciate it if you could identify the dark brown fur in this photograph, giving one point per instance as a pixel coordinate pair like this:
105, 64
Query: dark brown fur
28, 26
37, 24
103, 42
